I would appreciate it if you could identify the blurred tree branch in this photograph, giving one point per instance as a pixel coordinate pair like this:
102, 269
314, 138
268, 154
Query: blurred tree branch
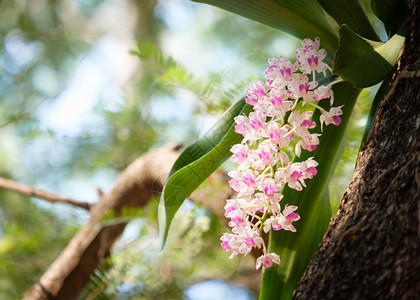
30, 191
138, 183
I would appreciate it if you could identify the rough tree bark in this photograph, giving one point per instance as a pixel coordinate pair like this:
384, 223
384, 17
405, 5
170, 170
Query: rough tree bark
372, 247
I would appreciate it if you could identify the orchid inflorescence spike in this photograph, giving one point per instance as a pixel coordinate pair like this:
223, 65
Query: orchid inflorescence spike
275, 126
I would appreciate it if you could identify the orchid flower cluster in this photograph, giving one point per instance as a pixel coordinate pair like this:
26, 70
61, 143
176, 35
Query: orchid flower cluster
276, 124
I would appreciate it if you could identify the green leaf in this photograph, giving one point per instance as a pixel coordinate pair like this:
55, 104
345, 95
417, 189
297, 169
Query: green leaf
302, 19
392, 13
363, 62
351, 13
297, 248
196, 163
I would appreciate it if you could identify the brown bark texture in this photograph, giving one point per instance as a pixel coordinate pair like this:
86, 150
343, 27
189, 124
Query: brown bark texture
372, 247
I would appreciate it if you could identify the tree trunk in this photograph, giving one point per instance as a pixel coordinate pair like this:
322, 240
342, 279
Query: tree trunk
372, 247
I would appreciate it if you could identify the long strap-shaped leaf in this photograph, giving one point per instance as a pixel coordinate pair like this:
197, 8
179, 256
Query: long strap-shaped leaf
351, 13
196, 163
363, 62
297, 248
392, 13
300, 18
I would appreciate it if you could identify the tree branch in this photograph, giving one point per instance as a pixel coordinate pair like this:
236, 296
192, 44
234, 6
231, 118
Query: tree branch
137, 184
30, 191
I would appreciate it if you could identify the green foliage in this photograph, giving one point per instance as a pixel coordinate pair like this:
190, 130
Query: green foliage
126, 215
314, 203
351, 13
132, 131
240, 35
196, 163
61, 37
138, 270
25, 231
392, 13
170, 77
301, 19
296, 250
53, 52
356, 53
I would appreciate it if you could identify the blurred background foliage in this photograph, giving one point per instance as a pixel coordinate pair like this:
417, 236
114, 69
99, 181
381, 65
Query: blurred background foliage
76, 107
